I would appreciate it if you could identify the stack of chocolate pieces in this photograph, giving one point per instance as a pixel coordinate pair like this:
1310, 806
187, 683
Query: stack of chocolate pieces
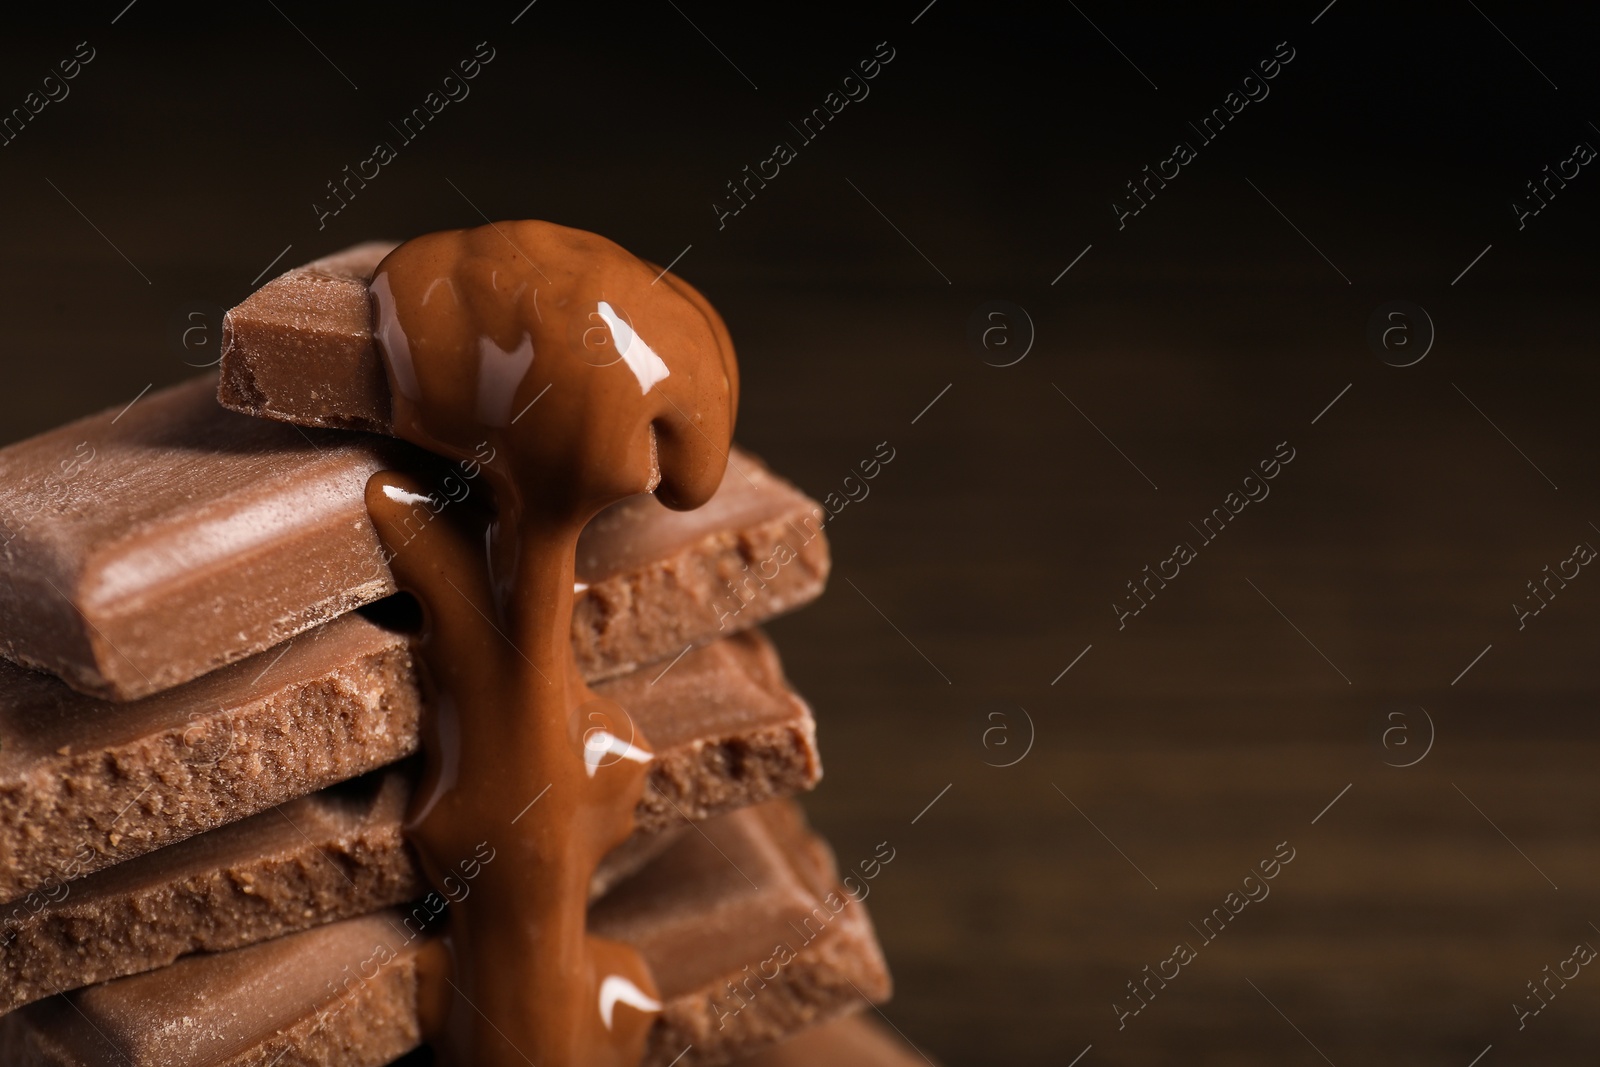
210, 719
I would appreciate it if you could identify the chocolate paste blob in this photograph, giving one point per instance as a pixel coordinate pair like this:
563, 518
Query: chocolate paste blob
587, 377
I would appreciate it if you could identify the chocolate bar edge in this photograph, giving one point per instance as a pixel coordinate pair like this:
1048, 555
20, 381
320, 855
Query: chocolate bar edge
314, 737
814, 985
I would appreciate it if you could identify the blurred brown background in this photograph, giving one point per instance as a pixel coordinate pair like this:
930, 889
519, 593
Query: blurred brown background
1334, 629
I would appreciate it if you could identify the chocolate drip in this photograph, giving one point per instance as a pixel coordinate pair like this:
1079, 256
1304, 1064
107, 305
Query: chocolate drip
576, 375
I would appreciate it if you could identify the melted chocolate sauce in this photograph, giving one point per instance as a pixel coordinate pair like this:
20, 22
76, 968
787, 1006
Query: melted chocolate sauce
584, 375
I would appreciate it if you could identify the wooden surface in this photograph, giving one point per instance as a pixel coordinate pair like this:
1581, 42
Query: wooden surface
1210, 729
1258, 687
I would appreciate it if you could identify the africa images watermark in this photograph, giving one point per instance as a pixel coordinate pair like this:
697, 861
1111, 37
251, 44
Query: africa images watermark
1252, 890
753, 580
53, 89
852, 89
1253, 489
54, 891
1583, 954
1542, 190
1251, 89
51, 494
831, 906
452, 89
346, 991
1582, 555
425, 507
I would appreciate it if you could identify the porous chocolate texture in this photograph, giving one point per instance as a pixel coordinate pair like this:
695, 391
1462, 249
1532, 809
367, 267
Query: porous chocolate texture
87, 783
337, 854
744, 928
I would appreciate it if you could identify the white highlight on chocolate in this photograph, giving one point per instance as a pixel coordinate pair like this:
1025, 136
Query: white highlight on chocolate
392, 340
404, 496
598, 744
617, 988
499, 374
640, 357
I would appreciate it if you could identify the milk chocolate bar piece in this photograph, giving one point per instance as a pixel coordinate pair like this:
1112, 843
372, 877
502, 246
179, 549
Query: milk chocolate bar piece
753, 890
337, 854
145, 547
86, 783
748, 933
299, 349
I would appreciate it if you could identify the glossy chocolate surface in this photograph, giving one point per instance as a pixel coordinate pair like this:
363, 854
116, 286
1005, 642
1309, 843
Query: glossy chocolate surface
476, 328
